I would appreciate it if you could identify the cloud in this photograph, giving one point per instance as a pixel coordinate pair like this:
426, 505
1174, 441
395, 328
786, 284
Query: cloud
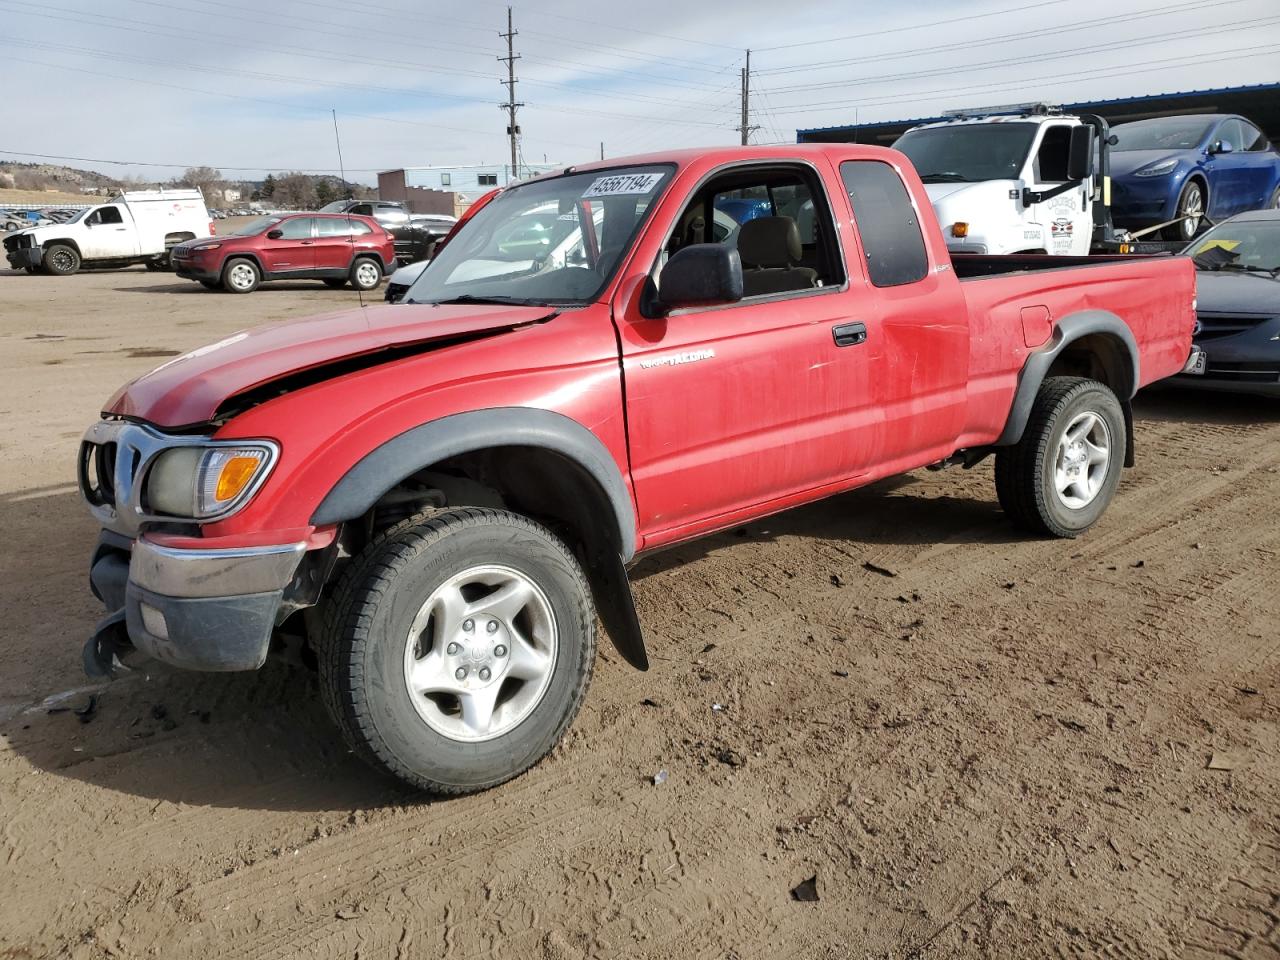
237, 84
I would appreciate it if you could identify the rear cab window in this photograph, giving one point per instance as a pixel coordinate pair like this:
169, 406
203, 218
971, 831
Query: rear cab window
887, 223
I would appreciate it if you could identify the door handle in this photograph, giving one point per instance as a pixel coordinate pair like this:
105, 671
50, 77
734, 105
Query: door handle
306, 243
849, 334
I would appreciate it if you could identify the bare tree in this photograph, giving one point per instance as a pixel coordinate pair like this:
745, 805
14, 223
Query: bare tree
205, 179
295, 191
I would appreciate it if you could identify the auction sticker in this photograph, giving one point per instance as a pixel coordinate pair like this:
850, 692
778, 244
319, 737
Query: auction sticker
624, 184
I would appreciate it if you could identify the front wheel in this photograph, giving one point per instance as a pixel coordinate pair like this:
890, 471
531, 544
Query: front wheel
1190, 209
1060, 477
61, 260
241, 276
458, 648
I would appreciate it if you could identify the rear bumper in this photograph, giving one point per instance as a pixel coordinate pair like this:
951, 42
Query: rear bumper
209, 610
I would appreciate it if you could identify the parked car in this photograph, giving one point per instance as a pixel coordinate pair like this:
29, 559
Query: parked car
415, 236
1196, 169
139, 226
304, 246
398, 283
1238, 305
457, 485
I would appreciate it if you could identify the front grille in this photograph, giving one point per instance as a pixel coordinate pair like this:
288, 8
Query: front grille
19, 242
1215, 325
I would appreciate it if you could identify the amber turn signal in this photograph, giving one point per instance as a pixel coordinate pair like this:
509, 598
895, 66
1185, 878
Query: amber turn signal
959, 229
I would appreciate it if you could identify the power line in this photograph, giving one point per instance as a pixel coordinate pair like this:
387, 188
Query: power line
184, 166
1021, 36
1034, 58
912, 26
1146, 66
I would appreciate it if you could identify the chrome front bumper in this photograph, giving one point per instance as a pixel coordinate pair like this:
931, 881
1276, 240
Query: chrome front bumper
209, 610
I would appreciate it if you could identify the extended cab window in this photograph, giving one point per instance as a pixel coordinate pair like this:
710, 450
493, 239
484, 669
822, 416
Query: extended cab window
105, 215
887, 223
779, 221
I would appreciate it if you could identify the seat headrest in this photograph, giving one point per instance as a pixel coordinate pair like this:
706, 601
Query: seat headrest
769, 242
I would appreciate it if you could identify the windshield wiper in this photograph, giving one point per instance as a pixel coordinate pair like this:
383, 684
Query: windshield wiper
944, 178
470, 298
1251, 268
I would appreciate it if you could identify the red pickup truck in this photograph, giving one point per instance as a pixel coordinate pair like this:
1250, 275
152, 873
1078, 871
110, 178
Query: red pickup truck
434, 500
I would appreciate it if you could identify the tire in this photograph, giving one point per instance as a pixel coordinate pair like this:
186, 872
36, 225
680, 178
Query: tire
366, 273
1191, 196
211, 284
399, 588
61, 260
241, 275
334, 283
1035, 482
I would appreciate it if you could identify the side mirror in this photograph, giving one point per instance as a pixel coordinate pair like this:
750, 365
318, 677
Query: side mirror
1080, 153
274, 234
1222, 146
699, 275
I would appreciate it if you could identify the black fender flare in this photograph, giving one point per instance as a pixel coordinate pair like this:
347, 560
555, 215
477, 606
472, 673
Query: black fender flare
1066, 332
420, 447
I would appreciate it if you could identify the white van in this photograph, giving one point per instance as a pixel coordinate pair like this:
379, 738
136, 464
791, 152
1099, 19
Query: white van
140, 226
1018, 182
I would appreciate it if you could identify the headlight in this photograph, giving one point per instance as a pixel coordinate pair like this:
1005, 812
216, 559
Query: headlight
1158, 169
201, 483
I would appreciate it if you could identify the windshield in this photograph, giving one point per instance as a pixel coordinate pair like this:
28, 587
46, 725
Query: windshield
337, 206
1162, 133
553, 241
968, 152
1250, 245
255, 226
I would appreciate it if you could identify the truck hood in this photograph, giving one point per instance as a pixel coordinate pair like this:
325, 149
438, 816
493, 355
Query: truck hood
190, 389
1235, 293
969, 202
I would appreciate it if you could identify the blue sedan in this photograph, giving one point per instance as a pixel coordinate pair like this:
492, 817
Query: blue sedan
1201, 167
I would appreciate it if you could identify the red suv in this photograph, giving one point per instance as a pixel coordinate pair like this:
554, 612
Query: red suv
337, 249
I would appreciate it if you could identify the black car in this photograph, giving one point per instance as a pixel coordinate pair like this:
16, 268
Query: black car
1238, 305
415, 236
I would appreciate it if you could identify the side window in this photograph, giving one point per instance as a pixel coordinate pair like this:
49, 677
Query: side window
333, 227
363, 209
105, 215
779, 221
1230, 132
1051, 158
299, 228
390, 213
1251, 137
359, 228
887, 223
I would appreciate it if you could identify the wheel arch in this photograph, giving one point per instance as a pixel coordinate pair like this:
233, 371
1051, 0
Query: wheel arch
242, 255
387, 269
540, 463
1091, 343
63, 242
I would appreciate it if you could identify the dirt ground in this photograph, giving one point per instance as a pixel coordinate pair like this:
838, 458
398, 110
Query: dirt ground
980, 745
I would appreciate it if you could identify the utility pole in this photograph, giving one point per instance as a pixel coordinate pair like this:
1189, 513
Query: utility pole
745, 126
513, 129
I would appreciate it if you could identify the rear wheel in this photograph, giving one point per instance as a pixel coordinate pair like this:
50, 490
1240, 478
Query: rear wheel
458, 648
61, 260
1060, 477
241, 276
1191, 207
366, 274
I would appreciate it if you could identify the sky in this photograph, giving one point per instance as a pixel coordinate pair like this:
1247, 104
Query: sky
247, 86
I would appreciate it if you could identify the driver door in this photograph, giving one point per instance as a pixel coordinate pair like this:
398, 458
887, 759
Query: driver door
1067, 222
107, 235
293, 251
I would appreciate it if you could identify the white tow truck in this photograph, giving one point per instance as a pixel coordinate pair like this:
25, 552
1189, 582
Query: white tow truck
1024, 178
139, 226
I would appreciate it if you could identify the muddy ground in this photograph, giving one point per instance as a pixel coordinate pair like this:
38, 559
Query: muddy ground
981, 745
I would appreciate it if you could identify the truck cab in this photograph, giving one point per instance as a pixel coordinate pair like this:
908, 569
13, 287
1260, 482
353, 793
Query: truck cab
1005, 182
136, 227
